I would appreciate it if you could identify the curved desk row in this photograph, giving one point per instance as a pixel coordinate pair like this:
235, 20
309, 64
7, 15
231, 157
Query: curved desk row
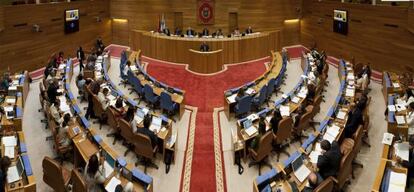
88, 142
165, 133
141, 76
397, 127
276, 71
279, 177
175, 49
11, 127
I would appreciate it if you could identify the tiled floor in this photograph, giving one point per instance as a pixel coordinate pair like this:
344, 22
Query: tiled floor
38, 147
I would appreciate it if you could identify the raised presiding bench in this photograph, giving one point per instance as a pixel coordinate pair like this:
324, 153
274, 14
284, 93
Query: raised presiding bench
206, 62
175, 49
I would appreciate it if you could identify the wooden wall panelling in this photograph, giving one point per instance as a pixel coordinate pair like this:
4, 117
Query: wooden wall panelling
1, 19
377, 34
264, 15
23, 49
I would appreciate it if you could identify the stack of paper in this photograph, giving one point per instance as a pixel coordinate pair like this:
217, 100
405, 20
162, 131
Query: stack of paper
133, 68
350, 76
350, 92
9, 151
402, 150
333, 130
251, 131
11, 101
328, 137
387, 138
295, 100
171, 140
341, 115
391, 108
400, 120
284, 110
396, 85
110, 187
252, 117
13, 88
64, 107
397, 182
9, 141
250, 91
314, 155
232, 98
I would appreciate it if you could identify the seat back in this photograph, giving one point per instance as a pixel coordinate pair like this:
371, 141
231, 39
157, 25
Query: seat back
112, 121
358, 141
148, 92
53, 175
244, 105
271, 87
130, 76
304, 121
143, 146
316, 105
345, 169
97, 106
263, 95
284, 130
327, 185
122, 67
78, 182
166, 101
137, 86
265, 146
126, 130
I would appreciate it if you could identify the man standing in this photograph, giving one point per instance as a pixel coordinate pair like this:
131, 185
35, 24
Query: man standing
81, 57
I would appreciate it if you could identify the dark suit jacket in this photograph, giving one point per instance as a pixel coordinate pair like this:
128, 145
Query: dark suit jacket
275, 124
150, 134
329, 162
354, 120
409, 164
52, 93
204, 48
167, 32
190, 32
178, 32
205, 32
81, 54
248, 31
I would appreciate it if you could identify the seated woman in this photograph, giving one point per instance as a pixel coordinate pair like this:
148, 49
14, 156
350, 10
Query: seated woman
93, 176
119, 108
274, 122
55, 111
63, 136
129, 117
262, 130
408, 96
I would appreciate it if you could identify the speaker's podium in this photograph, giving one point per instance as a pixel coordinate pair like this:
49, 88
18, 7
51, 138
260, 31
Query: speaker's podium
206, 62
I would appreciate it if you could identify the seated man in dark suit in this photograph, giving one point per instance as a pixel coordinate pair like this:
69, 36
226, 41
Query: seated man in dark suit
52, 92
354, 119
167, 31
410, 163
205, 32
204, 47
177, 31
146, 131
190, 32
329, 162
249, 30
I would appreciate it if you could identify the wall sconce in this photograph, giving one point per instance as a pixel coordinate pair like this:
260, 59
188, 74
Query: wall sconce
119, 20
292, 21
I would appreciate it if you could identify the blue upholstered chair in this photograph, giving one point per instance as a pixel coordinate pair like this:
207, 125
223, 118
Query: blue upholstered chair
167, 104
271, 87
259, 100
243, 106
149, 95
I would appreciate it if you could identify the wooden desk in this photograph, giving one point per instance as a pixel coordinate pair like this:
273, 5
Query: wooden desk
14, 124
175, 49
84, 149
206, 62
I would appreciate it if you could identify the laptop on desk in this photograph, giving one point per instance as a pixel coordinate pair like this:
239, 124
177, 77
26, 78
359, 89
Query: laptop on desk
139, 116
155, 124
300, 170
14, 173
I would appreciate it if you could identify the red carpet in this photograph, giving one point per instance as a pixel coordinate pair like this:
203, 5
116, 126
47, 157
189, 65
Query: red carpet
206, 93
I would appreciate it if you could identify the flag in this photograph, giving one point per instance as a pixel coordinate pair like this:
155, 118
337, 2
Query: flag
161, 24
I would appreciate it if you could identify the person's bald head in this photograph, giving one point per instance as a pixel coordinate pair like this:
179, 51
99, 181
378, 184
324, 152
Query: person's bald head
313, 179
